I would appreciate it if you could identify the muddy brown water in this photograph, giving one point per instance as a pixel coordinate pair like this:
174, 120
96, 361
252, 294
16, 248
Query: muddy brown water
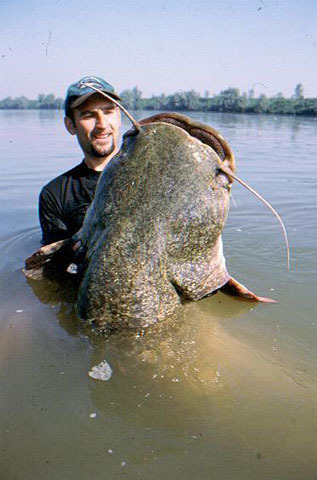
228, 392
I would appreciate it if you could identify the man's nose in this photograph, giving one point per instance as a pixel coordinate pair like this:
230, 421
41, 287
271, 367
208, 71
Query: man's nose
101, 120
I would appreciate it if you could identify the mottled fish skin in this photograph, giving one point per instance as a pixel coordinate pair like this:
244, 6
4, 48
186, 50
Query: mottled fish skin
153, 232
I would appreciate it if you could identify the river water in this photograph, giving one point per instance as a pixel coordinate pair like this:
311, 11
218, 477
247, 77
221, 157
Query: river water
227, 393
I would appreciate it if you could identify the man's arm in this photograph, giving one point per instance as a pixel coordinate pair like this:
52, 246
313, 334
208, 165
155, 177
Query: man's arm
50, 213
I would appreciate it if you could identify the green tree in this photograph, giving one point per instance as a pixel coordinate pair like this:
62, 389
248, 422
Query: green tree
41, 98
228, 99
241, 104
132, 99
137, 96
299, 91
7, 103
177, 101
127, 99
277, 104
192, 100
261, 104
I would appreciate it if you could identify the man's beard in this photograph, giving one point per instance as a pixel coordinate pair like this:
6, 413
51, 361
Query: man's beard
101, 152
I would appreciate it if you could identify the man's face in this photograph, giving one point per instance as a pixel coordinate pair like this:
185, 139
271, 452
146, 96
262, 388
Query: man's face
96, 124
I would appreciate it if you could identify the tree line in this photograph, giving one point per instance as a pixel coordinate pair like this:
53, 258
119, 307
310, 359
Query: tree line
228, 100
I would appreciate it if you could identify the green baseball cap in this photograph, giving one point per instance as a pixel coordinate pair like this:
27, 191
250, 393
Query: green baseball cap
78, 92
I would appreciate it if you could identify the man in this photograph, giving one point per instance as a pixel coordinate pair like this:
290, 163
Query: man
95, 121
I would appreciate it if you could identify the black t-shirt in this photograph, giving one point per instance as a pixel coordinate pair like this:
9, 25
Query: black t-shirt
63, 202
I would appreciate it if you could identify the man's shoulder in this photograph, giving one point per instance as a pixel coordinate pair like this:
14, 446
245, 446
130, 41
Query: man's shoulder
59, 181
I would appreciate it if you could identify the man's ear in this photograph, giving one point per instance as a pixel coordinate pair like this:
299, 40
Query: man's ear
69, 124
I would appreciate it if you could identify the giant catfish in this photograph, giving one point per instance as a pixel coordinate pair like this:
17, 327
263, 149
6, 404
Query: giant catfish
152, 235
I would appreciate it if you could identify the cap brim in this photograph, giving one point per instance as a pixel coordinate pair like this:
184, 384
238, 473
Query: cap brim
83, 98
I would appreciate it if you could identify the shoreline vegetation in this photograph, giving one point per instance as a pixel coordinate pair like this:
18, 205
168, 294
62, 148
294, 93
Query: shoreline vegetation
229, 100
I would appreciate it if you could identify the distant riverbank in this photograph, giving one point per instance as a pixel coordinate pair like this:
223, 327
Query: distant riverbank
229, 100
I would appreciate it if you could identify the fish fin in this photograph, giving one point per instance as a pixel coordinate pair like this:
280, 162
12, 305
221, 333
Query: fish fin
48, 260
34, 273
236, 289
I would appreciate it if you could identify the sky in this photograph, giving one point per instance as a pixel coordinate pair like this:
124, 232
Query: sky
160, 46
